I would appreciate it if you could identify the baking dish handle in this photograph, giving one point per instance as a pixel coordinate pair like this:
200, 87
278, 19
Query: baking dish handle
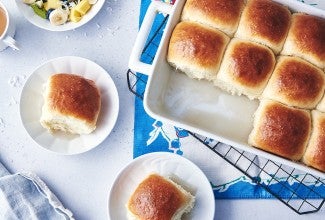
134, 62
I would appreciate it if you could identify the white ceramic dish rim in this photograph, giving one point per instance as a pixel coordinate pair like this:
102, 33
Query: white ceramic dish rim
29, 14
204, 192
107, 117
160, 60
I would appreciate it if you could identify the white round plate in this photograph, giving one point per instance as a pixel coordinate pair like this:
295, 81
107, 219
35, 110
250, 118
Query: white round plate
31, 102
30, 15
178, 168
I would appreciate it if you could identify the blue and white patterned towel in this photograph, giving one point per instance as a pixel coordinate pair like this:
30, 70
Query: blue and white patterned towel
26, 196
151, 135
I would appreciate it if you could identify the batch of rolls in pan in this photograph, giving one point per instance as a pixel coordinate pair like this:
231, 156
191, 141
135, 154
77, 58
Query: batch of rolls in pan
262, 50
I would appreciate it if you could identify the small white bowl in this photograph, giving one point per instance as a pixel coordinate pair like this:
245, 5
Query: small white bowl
31, 102
30, 15
178, 168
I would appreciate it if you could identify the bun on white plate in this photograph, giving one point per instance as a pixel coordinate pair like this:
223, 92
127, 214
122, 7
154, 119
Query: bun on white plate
158, 197
71, 104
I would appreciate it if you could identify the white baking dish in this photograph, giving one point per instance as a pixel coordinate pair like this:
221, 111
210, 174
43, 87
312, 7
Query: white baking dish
195, 105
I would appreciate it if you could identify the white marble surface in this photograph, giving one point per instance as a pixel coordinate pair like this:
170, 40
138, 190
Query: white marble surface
82, 182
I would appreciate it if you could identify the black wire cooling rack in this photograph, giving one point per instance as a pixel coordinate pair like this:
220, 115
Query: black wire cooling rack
302, 197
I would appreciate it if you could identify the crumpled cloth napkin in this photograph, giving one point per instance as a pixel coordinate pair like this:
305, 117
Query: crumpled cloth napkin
26, 196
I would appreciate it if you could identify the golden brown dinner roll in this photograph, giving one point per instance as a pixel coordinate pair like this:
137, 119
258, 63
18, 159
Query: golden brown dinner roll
265, 22
72, 104
246, 68
306, 39
221, 14
280, 129
159, 198
296, 82
196, 50
315, 152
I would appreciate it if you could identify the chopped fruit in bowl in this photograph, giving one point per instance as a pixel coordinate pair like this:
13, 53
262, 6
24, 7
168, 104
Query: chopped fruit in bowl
59, 12
75, 15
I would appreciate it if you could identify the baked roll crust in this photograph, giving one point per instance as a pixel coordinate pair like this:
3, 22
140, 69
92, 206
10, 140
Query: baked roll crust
306, 39
71, 104
296, 82
221, 14
246, 68
265, 22
196, 50
315, 152
159, 198
321, 105
280, 129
